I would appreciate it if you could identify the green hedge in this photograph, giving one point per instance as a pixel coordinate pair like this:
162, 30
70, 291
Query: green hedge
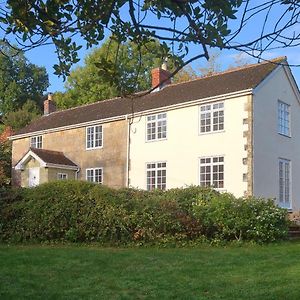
84, 212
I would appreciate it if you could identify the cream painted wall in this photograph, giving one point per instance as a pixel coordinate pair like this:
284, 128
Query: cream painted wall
183, 147
268, 145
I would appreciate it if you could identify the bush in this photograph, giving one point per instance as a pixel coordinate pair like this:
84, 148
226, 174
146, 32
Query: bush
84, 212
228, 218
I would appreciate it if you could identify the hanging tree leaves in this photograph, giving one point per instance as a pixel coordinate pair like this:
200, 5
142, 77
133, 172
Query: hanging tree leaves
175, 23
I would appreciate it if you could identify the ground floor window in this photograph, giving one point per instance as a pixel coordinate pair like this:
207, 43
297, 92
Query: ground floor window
284, 183
94, 175
62, 176
156, 175
212, 171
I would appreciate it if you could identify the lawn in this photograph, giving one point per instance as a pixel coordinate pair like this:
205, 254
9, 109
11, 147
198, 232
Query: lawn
83, 272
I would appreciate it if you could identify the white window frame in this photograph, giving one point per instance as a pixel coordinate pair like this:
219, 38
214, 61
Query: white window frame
211, 164
93, 170
284, 183
156, 169
93, 137
36, 142
156, 121
284, 118
62, 176
207, 114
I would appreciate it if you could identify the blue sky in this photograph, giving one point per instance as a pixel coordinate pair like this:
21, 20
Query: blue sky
45, 55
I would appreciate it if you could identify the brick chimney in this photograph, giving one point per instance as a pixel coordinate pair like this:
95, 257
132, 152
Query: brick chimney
159, 76
49, 105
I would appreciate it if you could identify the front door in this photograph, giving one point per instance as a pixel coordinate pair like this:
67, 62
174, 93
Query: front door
34, 177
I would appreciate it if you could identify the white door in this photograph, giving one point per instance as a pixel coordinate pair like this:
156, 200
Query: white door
34, 177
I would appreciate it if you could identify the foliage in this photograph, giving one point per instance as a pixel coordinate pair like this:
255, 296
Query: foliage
5, 157
185, 74
177, 24
227, 218
84, 212
102, 77
19, 80
21, 117
212, 66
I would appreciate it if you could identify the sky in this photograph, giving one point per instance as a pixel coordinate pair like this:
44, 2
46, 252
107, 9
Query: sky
45, 55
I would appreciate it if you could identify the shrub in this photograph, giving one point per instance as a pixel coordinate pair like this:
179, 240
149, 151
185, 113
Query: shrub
228, 218
84, 212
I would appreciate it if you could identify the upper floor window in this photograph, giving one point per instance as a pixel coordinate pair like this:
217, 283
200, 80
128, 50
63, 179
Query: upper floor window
156, 127
212, 171
156, 175
36, 142
283, 118
94, 175
212, 117
94, 136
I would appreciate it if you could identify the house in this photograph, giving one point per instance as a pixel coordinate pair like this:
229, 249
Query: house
238, 131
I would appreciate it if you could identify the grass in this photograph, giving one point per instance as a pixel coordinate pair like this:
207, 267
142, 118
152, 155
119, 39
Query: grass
83, 272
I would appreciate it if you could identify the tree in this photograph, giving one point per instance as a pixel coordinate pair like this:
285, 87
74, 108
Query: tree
23, 116
19, 80
5, 154
176, 23
103, 77
185, 74
212, 65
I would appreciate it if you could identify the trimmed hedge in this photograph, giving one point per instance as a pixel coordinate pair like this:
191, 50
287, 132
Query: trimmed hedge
84, 212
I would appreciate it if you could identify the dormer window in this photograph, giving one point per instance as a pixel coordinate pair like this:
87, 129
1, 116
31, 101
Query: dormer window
36, 142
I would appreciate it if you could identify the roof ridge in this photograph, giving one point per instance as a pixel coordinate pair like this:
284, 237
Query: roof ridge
83, 105
174, 84
234, 69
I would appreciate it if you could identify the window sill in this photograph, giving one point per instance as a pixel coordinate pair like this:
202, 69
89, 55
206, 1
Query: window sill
95, 148
211, 132
156, 140
284, 135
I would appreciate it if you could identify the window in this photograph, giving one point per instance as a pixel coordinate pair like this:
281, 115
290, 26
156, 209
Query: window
284, 183
94, 175
156, 175
36, 142
156, 127
62, 176
212, 117
94, 137
283, 118
212, 171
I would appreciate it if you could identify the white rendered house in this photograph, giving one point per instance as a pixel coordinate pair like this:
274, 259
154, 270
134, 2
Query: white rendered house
243, 138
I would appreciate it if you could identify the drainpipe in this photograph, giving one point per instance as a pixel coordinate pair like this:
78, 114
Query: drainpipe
128, 151
76, 177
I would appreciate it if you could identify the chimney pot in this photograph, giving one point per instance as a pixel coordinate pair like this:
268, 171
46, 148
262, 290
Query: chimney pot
49, 105
160, 77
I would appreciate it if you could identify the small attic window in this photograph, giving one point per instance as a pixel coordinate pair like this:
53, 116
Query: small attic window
36, 142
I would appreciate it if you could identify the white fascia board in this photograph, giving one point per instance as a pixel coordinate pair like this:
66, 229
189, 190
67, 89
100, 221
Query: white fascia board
124, 117
19, 165
292, 81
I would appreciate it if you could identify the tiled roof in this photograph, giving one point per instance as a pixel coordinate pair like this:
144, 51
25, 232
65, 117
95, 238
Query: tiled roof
218, 84
53, 157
